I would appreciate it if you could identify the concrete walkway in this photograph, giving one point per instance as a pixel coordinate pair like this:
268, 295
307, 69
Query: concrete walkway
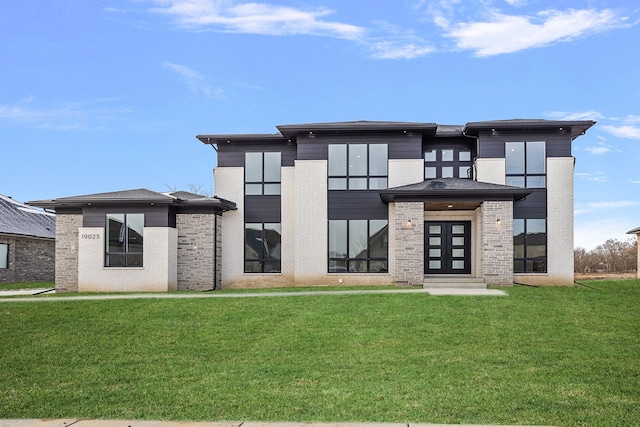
71, 297
124, 423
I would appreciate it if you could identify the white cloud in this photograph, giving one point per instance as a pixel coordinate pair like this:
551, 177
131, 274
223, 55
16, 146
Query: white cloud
613, 205
194, 80
592, 177
67, 116
396, 50
590, 234
516, 3
626, 131
576, 115
511, 33
256, 18
598, 150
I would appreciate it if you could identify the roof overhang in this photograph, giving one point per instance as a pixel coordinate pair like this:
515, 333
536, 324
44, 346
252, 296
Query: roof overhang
634, 231
573, 127
139, 197
358, 127
452, 193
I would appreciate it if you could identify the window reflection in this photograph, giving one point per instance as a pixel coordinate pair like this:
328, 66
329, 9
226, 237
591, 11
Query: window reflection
358, 246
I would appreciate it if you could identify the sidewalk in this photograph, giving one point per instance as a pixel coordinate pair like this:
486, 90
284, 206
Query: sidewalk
125, 423
70, 297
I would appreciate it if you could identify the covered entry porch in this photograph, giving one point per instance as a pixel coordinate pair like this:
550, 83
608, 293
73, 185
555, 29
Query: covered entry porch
452, 231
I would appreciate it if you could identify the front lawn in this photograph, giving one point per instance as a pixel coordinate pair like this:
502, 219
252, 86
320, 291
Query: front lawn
546, 356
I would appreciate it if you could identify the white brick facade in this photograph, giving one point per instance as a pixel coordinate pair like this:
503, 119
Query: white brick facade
158, 274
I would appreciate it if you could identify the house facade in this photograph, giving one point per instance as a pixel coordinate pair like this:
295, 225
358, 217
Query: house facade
27, 243
354, 203
636, 231
137, 240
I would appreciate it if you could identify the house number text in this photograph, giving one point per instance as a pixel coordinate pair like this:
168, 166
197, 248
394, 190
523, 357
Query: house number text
90, 236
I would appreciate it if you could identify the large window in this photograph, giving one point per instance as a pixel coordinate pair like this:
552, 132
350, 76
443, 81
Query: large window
529, 245
358, 246
358, 166
4, 255
447, 163
125, 240
262, 173
526, 164
262, 247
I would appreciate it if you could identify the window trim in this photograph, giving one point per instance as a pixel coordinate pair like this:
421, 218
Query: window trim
349, 180
438, 164
263, 183
347, 259
525, 175
5, 261
126, 253
525, 258
264, 258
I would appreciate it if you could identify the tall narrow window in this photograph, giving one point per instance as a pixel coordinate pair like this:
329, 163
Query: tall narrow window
525, 164
529, 245
358, 246
447, 163
262, 173
358, 166
125, 240
4, 255
262, 247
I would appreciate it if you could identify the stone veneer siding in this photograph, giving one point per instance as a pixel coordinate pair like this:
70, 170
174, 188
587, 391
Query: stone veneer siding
409, 253
497, 242
30, 260
195, 251
66, 270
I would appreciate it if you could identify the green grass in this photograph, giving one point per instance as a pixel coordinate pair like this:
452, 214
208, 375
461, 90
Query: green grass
29, 285
546, 356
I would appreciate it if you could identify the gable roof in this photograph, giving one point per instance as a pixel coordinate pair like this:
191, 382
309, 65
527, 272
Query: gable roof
453, 188
634, 231
136, 197
19, 219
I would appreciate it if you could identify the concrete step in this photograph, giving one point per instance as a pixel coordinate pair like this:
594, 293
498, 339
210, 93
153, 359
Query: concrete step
453, 283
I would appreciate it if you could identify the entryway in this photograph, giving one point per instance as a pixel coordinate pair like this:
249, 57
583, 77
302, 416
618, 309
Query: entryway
447, 247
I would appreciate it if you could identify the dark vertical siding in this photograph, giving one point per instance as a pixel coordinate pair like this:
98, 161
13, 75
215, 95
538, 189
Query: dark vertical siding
400, 146
262, 209
533, 206
355, 204
232, 155
492, 146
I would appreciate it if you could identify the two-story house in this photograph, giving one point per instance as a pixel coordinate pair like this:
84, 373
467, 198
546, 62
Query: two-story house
371, 202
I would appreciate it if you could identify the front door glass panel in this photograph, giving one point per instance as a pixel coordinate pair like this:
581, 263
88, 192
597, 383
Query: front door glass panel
448, 247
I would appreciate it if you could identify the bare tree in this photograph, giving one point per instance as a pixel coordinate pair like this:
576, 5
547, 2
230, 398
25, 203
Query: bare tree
613, 256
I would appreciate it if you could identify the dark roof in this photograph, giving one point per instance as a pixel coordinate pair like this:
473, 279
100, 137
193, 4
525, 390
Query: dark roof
574, 127
357, 127
634, 231
455, 188
19, 219
138, 196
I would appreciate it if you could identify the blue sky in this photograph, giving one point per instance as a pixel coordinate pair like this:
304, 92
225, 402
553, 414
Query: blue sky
108, 95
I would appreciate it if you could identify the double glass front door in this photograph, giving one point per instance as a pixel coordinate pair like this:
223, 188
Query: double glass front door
447, 246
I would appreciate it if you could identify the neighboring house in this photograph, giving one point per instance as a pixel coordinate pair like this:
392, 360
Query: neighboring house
636, 231
394, 202
137, 240
27, 243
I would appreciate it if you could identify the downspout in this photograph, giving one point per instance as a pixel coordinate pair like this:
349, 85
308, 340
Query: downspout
215, 251
473, 167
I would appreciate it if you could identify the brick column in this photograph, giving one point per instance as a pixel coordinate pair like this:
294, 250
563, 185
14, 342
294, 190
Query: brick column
67, 226
497, 242
409, 254
195, 251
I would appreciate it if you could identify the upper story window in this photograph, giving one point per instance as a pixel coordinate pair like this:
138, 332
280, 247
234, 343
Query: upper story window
125, 240
4, 255
262, 173
447, 163
525, 164
358, 166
